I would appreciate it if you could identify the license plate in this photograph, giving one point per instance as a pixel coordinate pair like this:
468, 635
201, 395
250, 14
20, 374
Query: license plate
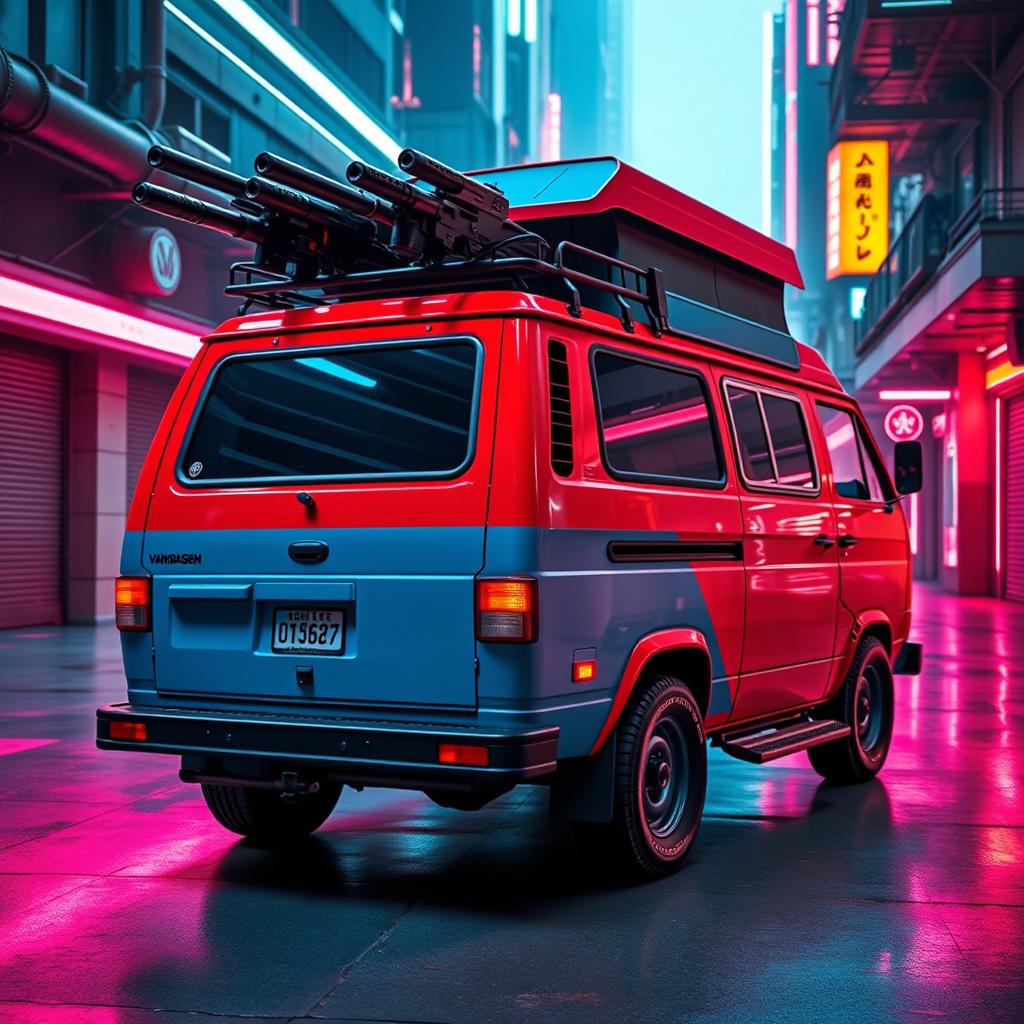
308, 631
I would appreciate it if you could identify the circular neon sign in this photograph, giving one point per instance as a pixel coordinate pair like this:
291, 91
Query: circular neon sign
904, 423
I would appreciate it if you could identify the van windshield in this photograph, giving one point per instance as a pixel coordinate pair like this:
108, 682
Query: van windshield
390, 410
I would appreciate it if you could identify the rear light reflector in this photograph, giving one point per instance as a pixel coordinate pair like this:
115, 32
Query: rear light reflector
584, 671
462, 753
127, 730
131, 604
506, 610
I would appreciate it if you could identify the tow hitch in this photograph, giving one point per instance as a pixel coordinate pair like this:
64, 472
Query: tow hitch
289, 782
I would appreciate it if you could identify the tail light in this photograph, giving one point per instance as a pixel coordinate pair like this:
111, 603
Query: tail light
462, 753
506, 610
132, 605
128, 731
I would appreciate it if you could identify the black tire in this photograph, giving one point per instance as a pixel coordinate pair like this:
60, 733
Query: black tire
661, 775
865, 702
268, 816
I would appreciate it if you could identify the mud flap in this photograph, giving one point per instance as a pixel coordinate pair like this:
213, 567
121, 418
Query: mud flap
908, 661
583, 788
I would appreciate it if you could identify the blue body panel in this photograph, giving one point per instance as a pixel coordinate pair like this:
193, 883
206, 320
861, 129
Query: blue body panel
407, 594
214, 607
586, 601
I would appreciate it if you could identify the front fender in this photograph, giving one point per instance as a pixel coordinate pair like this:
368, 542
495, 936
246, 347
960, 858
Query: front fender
648, 647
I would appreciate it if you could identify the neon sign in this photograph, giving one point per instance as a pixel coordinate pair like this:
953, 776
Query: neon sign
904, 423
857, 231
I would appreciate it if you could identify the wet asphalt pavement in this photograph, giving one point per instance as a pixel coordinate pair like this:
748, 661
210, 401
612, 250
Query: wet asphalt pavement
121, 900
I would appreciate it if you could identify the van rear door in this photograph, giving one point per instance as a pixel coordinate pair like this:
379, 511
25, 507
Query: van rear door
318, 519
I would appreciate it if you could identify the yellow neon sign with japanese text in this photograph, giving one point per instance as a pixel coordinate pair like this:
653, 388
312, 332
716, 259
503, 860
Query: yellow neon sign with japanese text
857, 187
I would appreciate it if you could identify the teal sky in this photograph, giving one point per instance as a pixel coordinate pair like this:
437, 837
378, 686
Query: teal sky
697, 98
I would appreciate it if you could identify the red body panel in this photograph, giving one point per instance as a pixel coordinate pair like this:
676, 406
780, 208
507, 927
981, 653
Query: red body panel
874, 574
458, 502
792, 587
647, 648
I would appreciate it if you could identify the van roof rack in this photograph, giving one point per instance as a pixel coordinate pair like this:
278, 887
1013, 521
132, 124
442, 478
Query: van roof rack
319, 241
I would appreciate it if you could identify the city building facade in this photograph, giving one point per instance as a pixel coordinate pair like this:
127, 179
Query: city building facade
936, 91
101, 305
800, 48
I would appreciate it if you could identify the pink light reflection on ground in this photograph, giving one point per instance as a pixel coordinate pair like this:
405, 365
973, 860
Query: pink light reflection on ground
16, 746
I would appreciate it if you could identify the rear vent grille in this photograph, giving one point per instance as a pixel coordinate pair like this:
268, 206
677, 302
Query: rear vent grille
561, 409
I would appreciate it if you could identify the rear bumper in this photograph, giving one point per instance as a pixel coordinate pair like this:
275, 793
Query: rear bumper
354, 750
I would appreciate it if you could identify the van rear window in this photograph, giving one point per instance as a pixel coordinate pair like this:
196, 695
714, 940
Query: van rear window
383, 411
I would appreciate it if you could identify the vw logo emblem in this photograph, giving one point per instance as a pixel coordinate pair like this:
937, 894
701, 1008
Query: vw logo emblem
165, 261
195, 469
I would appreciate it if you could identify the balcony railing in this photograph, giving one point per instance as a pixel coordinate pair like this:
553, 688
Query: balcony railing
925, 241
914, 255
993, 204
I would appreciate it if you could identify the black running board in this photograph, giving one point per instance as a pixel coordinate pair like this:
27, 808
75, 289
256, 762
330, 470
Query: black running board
770, 743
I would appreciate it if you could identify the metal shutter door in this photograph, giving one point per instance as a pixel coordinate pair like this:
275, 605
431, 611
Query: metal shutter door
148, 395
31, 484
1014, 511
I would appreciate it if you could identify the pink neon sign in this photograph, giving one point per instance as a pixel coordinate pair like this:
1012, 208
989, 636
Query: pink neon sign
834, 10
813, 33
904, 423
551, 147
68, 310
408, 100
790, 194
477, 60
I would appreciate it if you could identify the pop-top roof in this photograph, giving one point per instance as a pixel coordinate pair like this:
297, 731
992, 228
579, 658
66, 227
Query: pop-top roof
597, 184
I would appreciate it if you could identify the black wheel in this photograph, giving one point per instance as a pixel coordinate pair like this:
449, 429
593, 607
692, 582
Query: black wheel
269, 816
661, 775
866, 703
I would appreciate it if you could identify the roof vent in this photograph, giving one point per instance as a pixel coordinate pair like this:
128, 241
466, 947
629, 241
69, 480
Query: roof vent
561, 408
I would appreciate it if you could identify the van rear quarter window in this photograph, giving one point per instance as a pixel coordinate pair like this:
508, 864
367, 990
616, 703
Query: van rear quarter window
655, 422
388, 410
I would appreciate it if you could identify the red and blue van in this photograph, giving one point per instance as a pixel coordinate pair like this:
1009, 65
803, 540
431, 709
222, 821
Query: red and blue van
501, 532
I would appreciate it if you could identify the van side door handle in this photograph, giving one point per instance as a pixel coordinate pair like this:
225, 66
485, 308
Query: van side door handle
308, 552
848, 541
823, 540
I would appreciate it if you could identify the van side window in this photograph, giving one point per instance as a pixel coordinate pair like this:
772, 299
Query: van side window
789, 441
655, 422
771, 438
751, 437
853, 468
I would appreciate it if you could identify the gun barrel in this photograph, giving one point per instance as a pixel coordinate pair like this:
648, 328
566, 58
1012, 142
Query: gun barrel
282, 199
441, 176
285, 172
392, 189
196, 211
163, 158
450, 182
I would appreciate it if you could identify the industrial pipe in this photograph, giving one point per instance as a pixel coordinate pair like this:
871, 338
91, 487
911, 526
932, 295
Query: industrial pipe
33, 107
154, 71
30, 105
